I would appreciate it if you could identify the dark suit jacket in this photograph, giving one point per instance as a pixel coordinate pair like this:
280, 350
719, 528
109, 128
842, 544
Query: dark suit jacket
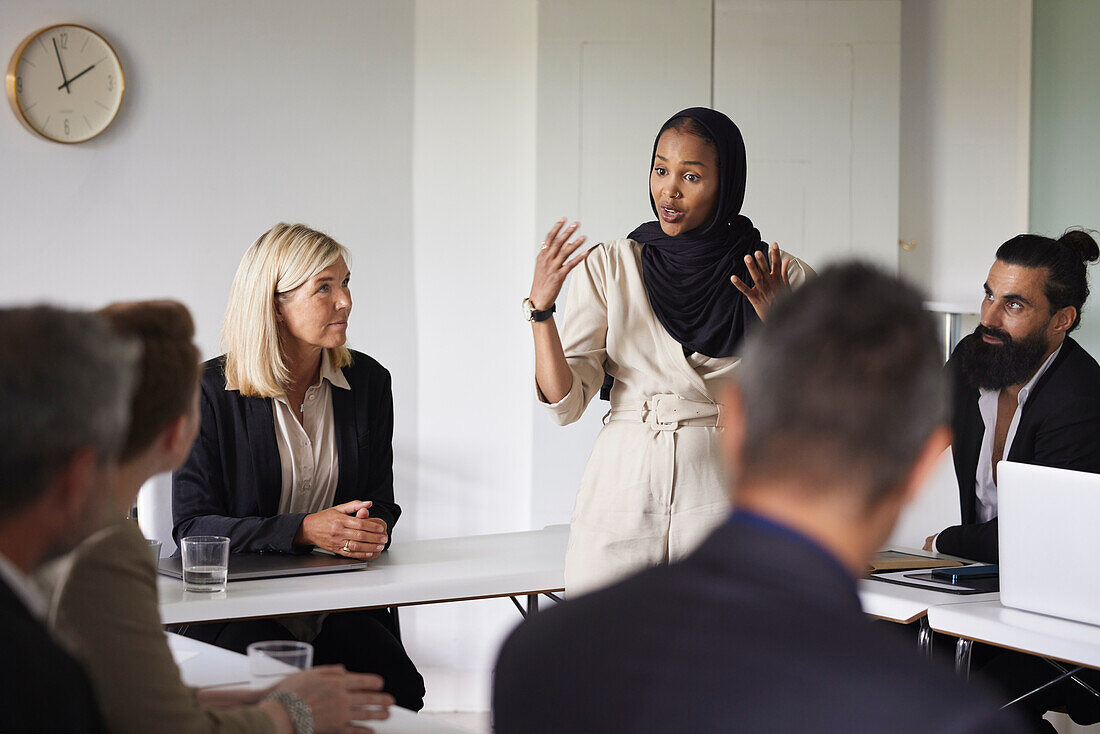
44, 690
230, 484
759, 630
1059, 427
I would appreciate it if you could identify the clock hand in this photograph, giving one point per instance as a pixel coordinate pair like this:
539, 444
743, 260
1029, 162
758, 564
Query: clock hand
64, 81
78, 76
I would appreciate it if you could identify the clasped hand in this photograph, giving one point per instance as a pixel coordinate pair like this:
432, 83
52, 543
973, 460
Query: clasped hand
346, 530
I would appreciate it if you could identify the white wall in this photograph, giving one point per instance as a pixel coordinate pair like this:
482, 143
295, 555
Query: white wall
965, 104
217, 140
1066, 94
814, 89
473, 199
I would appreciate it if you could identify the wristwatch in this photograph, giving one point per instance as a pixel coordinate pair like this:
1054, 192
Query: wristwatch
299, 712
531, 314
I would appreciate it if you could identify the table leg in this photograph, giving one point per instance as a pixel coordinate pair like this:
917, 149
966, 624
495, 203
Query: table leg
1073, 677
1059, 679
962, 657
532, 604
924, 638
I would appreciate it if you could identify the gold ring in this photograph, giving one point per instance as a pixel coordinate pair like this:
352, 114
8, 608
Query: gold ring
346, 549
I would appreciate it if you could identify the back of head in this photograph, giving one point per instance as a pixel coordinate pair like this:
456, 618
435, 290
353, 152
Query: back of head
65, 384
843, 385
280, 260
1064, 260
168, 371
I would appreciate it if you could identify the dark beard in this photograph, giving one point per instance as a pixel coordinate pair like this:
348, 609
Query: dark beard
996, 366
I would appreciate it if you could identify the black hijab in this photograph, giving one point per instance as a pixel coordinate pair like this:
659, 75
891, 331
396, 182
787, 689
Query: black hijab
687, 277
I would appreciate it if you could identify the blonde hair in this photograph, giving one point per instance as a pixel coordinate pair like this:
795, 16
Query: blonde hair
282, 259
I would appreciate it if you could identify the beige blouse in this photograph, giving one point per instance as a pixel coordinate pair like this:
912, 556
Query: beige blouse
104, 609
309, 464
655, 483
307, 450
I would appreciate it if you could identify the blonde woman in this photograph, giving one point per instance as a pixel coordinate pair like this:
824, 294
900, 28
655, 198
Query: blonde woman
295, 446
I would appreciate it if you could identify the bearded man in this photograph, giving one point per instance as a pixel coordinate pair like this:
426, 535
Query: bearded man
1022, 389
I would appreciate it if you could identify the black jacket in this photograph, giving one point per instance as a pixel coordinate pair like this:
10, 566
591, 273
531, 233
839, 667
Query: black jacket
1059, 427
759, 630
44, 691
230, 483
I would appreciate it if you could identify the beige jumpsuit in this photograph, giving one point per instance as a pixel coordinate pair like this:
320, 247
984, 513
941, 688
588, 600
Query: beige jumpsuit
655, 483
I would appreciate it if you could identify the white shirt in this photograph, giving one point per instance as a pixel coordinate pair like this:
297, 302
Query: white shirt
985, 487
23, 588
307, 450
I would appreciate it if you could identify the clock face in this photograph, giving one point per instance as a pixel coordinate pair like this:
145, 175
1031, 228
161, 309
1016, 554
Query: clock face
65, 83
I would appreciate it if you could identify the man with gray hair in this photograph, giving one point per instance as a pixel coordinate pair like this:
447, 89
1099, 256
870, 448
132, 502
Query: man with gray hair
65, 386
837, 417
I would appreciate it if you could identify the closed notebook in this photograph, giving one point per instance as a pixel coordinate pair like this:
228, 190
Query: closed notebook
901, 561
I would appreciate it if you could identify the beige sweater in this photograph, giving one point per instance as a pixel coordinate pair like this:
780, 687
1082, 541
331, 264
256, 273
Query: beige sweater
104, 609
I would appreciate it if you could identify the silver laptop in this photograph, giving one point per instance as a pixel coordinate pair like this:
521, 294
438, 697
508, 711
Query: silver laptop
1048, 521
271, 565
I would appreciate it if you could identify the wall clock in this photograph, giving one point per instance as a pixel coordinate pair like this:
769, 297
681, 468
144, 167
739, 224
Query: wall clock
65, 83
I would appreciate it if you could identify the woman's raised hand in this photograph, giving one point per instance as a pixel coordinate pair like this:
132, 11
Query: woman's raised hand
346, 530
553, 263
768, 280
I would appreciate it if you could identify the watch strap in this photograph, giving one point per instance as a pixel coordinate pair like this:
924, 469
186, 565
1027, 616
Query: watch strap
544, 314
300, 713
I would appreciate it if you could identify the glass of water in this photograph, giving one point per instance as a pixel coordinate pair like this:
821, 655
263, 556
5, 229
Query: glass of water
205, 562
154, 549
279, 658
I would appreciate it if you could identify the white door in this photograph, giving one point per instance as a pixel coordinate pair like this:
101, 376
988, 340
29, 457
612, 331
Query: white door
814, 87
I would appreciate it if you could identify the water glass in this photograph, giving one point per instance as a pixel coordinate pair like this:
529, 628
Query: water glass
279, 657
154, 548
205, 562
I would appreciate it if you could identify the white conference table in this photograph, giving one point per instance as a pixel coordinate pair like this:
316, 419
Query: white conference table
202, 665
410, 572
990, 622
457, 569
905, 604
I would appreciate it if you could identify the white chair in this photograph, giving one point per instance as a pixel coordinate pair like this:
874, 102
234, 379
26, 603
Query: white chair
154, 506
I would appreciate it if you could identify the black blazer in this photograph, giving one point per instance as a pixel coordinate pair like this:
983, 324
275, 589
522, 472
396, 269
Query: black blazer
44, 691
756, 631
1059, 427
230, 483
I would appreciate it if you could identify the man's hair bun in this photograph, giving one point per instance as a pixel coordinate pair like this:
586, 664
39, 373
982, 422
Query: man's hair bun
1082, 243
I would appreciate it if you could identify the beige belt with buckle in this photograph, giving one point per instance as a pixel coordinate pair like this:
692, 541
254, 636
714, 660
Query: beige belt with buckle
667, 412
